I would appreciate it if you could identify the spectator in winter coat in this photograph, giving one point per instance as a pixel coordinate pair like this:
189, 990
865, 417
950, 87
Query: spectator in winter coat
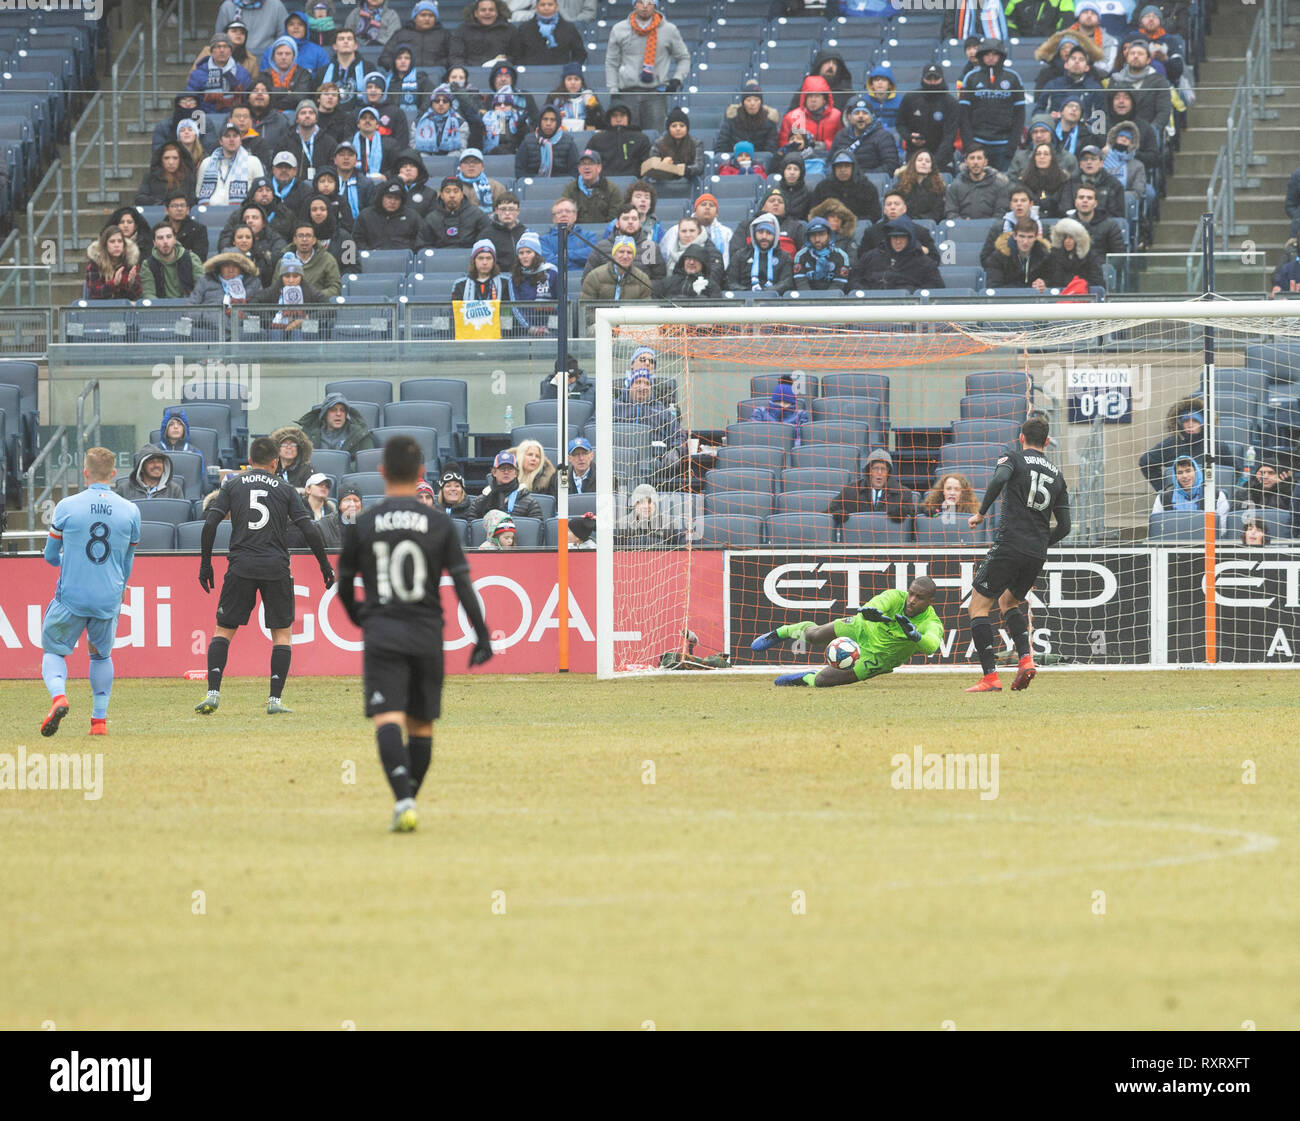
1020, 259
440, 130
676, 155
479, 188
319, 269
1186, 491
295, 455
266, 119
1072, 256
1165, 46
375, 152
882, 96
578, 107
623, 150
830, 66
790, 177
1042, 130
346, 68
815, 119
185, 107
504, 493
1077, 80
1269, 488
505, 230
842, 221
262, 245
597, 199
992, 111
1120, 111
869, 142
229, 280
112, 267
1071, 134
308, 55
548, 39
979, 191
790, 237
761, 265
1186, 425
618, 279
219, 78
1107, 234
265, 22
429, 41
820, 264
355, 190
690, 279
645, 60
410, 172
706, 213
1046, 182
390, 222
1021, 207
1054, 51
313, 147
689, 232
484, 34
749, 120
174, 435
450, 497
225, 175
922, 187
151, 477
927, 118
170, 170
900, 263
1092, 173
336, 425
237, 32
393, 125
189, 233
534, 279
564, 212
511, 113
783, 408
638, 404
848, 186
875, 492
170, 271
374, 23
1087, 26
452, 220
1121, 162
1152, 102
648, 258
742, 162
548, 151
409, 87
484, 279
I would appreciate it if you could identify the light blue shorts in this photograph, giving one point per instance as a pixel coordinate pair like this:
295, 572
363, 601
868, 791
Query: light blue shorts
61, 631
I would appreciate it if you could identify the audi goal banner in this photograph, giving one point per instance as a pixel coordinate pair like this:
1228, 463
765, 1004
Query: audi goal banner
167, 619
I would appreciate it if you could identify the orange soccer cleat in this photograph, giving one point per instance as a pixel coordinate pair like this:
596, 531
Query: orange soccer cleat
58, 710
1026, 673
99, 725
989, 683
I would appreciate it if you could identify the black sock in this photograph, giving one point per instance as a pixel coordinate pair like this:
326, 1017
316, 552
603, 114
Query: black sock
421, 750
1018, 629
218, 648
982, 633
395, 759
280, 658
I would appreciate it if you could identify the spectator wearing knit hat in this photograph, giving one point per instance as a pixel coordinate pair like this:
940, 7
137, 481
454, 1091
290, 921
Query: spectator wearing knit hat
617, 279
782, 408
484, 279
429, 41
761, 265
646, 60
219, 78
751, 120
451, 498
548, 39
676, 154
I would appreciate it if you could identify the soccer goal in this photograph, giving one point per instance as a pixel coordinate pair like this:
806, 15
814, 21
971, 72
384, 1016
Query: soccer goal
1175, 424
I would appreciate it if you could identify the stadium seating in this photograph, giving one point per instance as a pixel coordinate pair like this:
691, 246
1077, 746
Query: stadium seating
374, 390
749, 503
804, 501
751, 455
731, 531
1176, 526
530, 533
172, 510
335, 463
876, 529
740, 478
806, 529
761, 434
189, 535
947, 531
1277, 523
157, 537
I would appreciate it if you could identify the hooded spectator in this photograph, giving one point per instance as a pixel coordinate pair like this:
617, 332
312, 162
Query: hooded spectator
922, 187
287, 78
830, 66
900, 262
500, 529
927, 118
1185, 490
174, 435
267, 246
874, 492
783, 407
790, 176
548, 151
742, 162
389, 222
820, 264
689, 232
112, 267
185, 107
429, 41
813, 124
874, 237
645, 525
547, 39
151, 477
845, 184
992, 111
866, 139
335, 424
409, 171
264, 21
308, 55
676, 155
645, 60
1186, 424
408, 86
761, 264
509, 114
842, 221
228, 278
1072, 257
750, 120
1121, 159
295, 448
882, 94
623, 149
690, 279
1120, 111
578, 107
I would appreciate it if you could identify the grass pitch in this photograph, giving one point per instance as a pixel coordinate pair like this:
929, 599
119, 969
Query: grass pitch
674, 901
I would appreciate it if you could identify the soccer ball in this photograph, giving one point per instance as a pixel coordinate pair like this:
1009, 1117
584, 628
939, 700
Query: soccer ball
843, 653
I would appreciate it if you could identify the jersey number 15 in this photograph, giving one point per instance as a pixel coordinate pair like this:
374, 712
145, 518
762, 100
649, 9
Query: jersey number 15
1039, 497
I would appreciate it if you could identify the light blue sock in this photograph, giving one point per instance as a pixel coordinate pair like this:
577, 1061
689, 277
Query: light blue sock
54, 668
101, 685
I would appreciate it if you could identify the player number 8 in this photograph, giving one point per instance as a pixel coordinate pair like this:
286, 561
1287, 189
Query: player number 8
390, 572
98, 536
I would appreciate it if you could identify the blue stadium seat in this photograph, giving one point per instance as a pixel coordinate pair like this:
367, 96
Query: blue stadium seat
452, 390
817, 478
157, 537
876, 529
762, 385
994, 406
767, 434
187, 468
986, 431
189, 535
998, 381
334, 462
841, 457
427, 438
366, 459
376, 390
544, 412
423, 414
750, 503
173, 510
530, 533
800, 529
953, 456
1177, 525
804, 501
945, 530
1277, 523
836, 431
751, 455
731, 531
367, 482
739, 478
387, 261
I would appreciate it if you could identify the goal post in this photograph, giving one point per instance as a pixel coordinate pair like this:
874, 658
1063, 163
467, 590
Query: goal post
1167, 419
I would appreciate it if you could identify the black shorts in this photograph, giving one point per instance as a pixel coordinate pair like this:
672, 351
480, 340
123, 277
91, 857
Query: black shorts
999, 572
402, 682
239, 595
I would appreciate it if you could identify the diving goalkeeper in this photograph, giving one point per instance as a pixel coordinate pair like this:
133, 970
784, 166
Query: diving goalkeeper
889, 630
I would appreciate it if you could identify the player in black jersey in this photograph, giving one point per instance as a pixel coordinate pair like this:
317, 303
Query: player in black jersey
261, 505
401, 547
1033, 490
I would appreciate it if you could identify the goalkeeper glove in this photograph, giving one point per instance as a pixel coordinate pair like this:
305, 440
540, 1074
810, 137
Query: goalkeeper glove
481, 653
871, 615
327, 574
908, 628
206, 578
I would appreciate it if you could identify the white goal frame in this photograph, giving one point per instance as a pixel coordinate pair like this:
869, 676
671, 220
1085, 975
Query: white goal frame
793, 313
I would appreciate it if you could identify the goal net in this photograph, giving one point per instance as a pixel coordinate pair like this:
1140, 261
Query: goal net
762, 465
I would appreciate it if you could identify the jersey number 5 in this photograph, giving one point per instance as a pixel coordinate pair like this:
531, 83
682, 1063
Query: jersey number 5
255, 502
390, 572
1040, 498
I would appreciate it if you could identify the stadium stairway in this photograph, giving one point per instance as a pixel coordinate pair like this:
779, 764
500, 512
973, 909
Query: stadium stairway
1259, 208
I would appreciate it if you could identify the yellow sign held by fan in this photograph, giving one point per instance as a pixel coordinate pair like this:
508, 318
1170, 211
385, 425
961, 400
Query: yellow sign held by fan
477, 320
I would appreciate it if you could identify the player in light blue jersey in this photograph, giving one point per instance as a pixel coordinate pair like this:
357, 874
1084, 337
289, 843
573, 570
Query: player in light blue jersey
92, 543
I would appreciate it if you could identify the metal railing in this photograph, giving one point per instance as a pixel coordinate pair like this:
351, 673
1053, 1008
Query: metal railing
121, 86
61, 472
53, 213
11, 277
157, 22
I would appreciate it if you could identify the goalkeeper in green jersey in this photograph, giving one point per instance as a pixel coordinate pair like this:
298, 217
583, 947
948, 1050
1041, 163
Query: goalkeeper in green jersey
888, 630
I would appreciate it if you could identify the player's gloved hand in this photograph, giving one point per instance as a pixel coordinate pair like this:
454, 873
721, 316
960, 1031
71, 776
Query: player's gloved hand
327, 574
481, 653
908, 628
207, 580
871, 615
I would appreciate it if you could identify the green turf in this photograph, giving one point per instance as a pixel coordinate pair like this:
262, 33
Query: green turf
627, 902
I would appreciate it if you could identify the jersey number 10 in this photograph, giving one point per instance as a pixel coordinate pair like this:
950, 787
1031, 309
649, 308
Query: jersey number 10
1039, 498
390, 572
